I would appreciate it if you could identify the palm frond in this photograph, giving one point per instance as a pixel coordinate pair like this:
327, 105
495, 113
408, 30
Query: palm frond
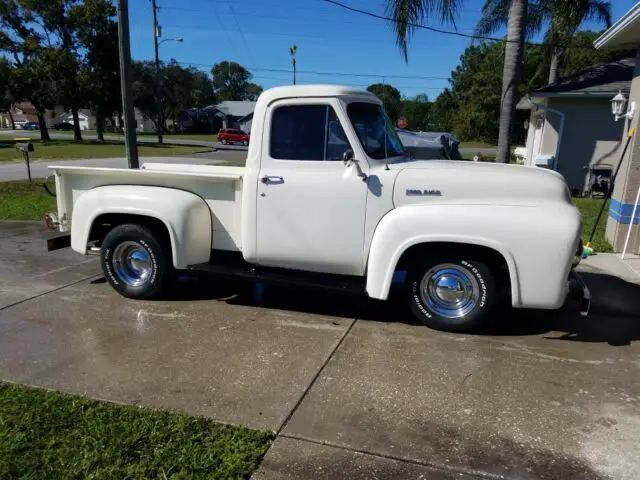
600, 11
494, 16
405, 14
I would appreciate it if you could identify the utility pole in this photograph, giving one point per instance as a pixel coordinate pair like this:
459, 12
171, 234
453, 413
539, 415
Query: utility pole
293, 51
125, 84
156, 34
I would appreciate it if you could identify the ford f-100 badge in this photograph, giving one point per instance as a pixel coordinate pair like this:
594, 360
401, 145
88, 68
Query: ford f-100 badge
422, 193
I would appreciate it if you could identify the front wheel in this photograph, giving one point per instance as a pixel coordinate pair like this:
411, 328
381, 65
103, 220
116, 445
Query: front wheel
224, 141
245, 142
454, 295
135, 262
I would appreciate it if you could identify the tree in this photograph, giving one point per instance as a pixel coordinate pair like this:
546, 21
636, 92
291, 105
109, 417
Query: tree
22, 38
231, 81
443, 111
58, 21
417, 111
562, 18
181, 88
6, 75
253, 91
408, 13
584, 54
97, 33
390, 97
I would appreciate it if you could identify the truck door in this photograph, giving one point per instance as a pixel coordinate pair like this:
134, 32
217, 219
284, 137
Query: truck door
310, 206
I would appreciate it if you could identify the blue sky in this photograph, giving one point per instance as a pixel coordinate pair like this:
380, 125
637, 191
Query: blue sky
258, 34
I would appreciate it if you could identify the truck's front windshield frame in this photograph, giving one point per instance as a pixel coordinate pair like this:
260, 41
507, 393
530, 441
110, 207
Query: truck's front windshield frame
374, 130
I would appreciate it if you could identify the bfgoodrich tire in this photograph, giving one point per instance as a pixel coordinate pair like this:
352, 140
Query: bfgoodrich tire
135, 262
454, 294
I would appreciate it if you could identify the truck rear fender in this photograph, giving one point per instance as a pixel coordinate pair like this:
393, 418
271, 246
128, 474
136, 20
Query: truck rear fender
536, 244
185, 215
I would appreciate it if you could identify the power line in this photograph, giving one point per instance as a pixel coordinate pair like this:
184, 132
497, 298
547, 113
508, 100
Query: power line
364, 85
447, 32
334, 74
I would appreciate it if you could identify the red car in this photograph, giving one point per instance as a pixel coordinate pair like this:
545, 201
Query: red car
233, 135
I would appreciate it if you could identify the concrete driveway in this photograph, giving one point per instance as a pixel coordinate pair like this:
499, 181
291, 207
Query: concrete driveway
353, 388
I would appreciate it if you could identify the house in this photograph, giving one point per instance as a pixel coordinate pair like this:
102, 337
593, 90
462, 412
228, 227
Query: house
24, 112
143, 123
227, 114
245, 122
571, 129
622, 225
86, 119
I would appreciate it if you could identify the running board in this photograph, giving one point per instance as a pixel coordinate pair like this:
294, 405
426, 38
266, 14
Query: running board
347, 284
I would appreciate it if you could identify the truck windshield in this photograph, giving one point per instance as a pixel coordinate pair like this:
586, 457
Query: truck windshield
375, 131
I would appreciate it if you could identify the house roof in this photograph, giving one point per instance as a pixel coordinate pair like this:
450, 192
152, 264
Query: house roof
601, 80
233, 108
624, 33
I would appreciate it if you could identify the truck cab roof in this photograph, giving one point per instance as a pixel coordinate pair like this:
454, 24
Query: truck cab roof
319, 90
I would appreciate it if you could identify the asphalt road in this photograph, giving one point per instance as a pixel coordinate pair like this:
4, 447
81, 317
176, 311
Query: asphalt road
178, 141
40, 168
353, 387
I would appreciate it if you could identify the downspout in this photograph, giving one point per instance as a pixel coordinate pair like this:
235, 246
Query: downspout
560, 130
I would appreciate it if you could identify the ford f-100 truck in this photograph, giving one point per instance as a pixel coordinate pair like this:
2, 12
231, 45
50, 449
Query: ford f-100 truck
329, 198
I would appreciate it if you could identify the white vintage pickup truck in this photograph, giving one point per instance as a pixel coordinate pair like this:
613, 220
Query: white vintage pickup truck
329, 199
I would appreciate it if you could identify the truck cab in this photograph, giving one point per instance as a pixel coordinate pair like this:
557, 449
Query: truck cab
328, 198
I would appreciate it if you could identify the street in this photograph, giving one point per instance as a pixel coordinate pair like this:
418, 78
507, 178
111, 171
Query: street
351, 386
40, 168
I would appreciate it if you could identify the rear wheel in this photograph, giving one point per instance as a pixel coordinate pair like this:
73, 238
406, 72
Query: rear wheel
135, 262
453, 294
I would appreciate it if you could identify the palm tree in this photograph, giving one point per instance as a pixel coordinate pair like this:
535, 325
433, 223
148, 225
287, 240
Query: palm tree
562, 18
407, 13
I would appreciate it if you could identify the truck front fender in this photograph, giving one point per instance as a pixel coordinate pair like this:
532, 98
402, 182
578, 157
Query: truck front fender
537, 244
185, 215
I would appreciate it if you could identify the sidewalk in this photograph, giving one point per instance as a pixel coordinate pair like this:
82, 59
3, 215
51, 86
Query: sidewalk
611, 263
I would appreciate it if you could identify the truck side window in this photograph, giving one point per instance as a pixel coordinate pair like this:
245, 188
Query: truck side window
307, 132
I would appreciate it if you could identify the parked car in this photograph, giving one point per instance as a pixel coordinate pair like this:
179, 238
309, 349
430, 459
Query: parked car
332, 201
233, 135
31, 126
63, 126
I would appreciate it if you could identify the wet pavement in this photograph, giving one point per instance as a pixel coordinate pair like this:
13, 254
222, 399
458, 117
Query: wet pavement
352, 386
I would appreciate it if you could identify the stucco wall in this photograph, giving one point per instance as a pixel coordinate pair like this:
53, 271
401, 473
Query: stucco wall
590, 136
628, 181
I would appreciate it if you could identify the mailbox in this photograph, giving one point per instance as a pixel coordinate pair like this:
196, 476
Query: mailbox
24, 147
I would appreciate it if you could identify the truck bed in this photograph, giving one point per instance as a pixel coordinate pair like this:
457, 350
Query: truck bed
219, 186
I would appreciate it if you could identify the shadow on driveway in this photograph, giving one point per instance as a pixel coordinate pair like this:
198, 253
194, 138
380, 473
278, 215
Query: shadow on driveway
614, 317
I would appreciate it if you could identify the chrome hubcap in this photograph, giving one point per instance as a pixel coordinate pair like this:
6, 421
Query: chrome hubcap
450, 290
132, 263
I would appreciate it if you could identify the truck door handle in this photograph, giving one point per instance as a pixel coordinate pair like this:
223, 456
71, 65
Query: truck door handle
272, 179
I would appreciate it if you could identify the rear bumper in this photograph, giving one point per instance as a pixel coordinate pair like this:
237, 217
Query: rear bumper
56, 243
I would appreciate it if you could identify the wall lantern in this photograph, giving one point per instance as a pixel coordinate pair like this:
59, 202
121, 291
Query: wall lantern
618, 104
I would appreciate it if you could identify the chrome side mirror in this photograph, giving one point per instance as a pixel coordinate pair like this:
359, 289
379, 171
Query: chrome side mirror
347, 157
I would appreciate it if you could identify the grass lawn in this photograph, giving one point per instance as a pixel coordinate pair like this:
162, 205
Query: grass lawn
589, 207
21, 200
53, 435
476, 145
68, 149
